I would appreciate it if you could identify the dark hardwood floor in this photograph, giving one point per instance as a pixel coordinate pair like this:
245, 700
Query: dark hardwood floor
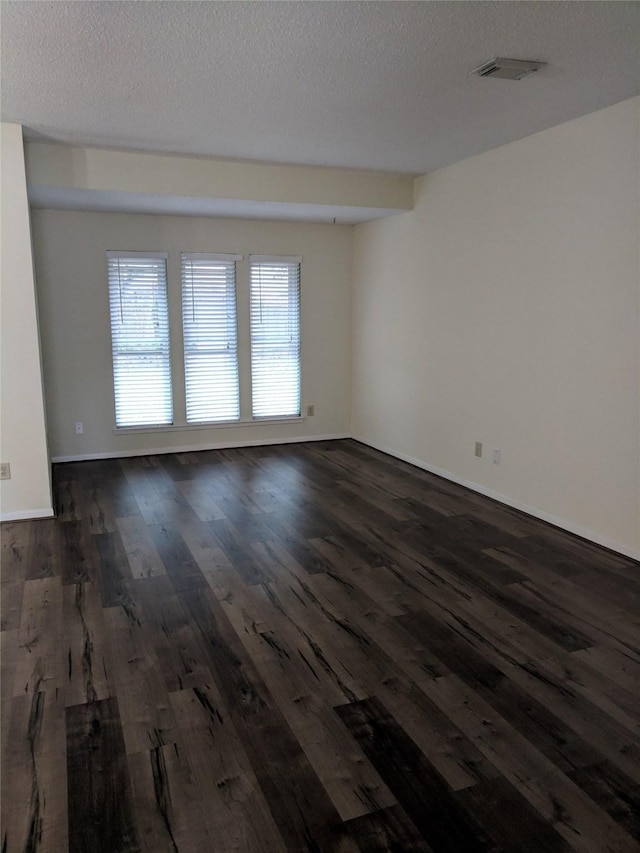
311, 648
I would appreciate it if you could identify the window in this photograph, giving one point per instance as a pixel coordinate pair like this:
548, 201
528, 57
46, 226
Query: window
275, 336
210, 337
215, 371
140, 338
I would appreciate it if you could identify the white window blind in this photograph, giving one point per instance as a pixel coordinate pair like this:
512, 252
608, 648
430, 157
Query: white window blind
210, 337
275, 336
140, 338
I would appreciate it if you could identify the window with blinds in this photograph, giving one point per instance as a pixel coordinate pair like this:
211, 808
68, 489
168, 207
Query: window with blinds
210, 337
140, 338
275, 336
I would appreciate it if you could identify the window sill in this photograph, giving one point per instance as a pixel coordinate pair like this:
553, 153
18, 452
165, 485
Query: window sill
215, 425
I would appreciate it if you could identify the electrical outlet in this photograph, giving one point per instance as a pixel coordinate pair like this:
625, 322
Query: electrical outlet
496, 457
79, 428
5, 471
478, 449
311, 410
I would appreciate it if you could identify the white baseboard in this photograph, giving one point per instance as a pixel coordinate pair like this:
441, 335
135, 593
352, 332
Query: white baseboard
27, 514
188, 448
570, 526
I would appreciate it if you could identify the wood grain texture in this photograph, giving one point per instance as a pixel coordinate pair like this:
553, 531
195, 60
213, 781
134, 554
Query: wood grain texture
100, 804
311, 648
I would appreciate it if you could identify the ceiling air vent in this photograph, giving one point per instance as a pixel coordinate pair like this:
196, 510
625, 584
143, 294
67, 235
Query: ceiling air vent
507, 69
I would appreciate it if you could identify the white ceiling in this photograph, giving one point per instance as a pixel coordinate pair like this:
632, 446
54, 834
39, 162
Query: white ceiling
370, 85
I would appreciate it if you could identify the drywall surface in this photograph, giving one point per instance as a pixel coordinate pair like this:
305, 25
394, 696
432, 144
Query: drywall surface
505, 309
70, 253
167, 175
24, 442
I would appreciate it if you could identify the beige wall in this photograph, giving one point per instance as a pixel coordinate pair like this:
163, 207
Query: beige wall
505, 309
22, 426
73, 297
155, 174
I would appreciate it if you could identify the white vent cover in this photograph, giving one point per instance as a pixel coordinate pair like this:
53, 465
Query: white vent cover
508, 69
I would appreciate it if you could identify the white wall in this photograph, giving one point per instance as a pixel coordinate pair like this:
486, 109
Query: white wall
74, 315
505, 309
24, 442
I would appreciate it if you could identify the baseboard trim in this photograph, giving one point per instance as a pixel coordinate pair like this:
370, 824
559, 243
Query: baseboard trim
188, 448
27, 514
570, 526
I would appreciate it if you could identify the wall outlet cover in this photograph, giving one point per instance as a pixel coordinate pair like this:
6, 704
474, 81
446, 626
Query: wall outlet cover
478, 450
5, 471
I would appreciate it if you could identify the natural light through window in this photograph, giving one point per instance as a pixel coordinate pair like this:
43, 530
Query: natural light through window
209, 325
140, 339
275, 336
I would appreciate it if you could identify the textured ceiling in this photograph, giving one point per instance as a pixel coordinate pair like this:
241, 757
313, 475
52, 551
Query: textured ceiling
372, 85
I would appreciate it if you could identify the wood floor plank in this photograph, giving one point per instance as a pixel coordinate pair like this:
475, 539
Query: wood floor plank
144, 709
569, 592
114, 570
420, 790
14, 559
176, 557
311, 647
101, 815
541, 701
11, 593
69, 495
350, 781
33, 790
236, 815
274, 642
238, 551
287, 536
116, 493
85, 645
79, 555
39, 654
525, 830
235, 674
149, 791
386, 831
157, 496
43, 557
561, 803
201, 499
616, 664
301, 807
142, 554
8, 659
453, 755
170, 809
547, 615
406, 652
97, 511
14, 542
612, 791
168, 628
199, 538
